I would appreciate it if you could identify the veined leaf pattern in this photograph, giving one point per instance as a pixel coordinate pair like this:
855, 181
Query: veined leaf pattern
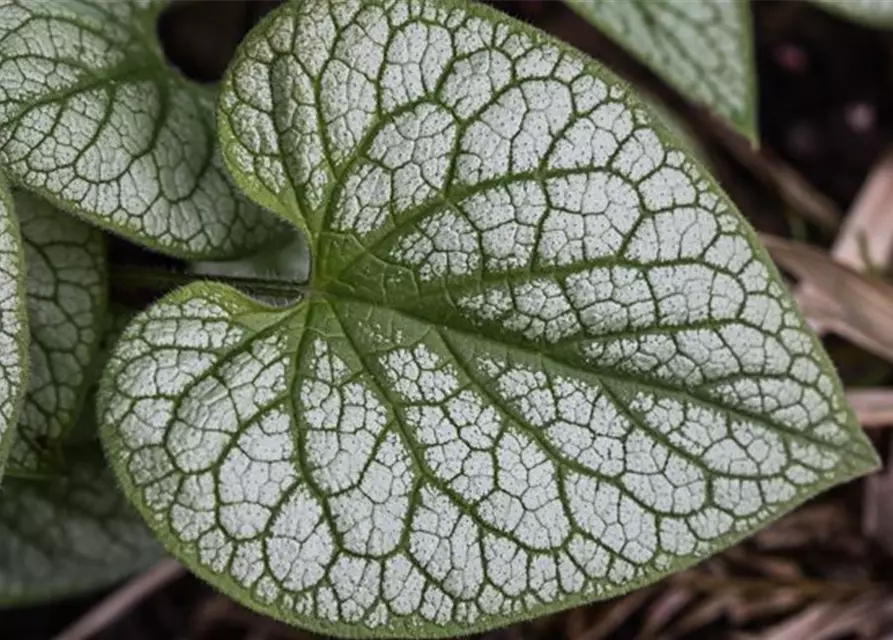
93, 118
541, 361
67, 303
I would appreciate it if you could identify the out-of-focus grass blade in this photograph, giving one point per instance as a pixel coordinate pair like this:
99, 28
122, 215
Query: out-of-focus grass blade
873, 406
865, 240
838, 299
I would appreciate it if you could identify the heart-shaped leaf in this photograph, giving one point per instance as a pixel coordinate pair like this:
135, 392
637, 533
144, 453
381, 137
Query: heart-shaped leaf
13, 324
68, 535
704, 49
66, 283
877, 13
541, 361
93, 118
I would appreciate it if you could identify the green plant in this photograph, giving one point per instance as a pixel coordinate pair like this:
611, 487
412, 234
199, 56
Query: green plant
539, 358
703, 49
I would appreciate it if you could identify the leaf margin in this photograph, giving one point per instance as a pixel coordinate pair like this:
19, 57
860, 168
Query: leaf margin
859, 16
231, 299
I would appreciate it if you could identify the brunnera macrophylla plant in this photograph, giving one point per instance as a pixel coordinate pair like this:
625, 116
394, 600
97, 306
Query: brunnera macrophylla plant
540, 358
66, 277
874, 13
13, 324
94, 120
703, 49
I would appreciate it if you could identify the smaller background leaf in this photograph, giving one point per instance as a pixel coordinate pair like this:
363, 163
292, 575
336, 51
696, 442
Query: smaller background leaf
68, 535
71, 530
116, 320
13, 323
66, 283
703, 49
98, 122
874, 13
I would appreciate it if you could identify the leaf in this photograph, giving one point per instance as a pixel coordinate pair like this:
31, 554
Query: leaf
71, 531
68, 535
542, 360
703, 49
94, 119
874, 13
13, 324
66, 282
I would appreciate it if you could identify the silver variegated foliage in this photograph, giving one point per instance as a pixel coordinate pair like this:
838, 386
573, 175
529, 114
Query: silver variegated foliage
94, 119
542, 359
67, 303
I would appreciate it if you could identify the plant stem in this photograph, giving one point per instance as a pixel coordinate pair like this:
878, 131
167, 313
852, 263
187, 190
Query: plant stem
128, 279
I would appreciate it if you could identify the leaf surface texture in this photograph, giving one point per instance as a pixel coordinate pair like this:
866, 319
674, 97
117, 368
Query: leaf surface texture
67, 303
542, 360
94, 119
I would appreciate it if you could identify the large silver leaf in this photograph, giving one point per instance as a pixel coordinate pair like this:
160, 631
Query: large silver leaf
541, 359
